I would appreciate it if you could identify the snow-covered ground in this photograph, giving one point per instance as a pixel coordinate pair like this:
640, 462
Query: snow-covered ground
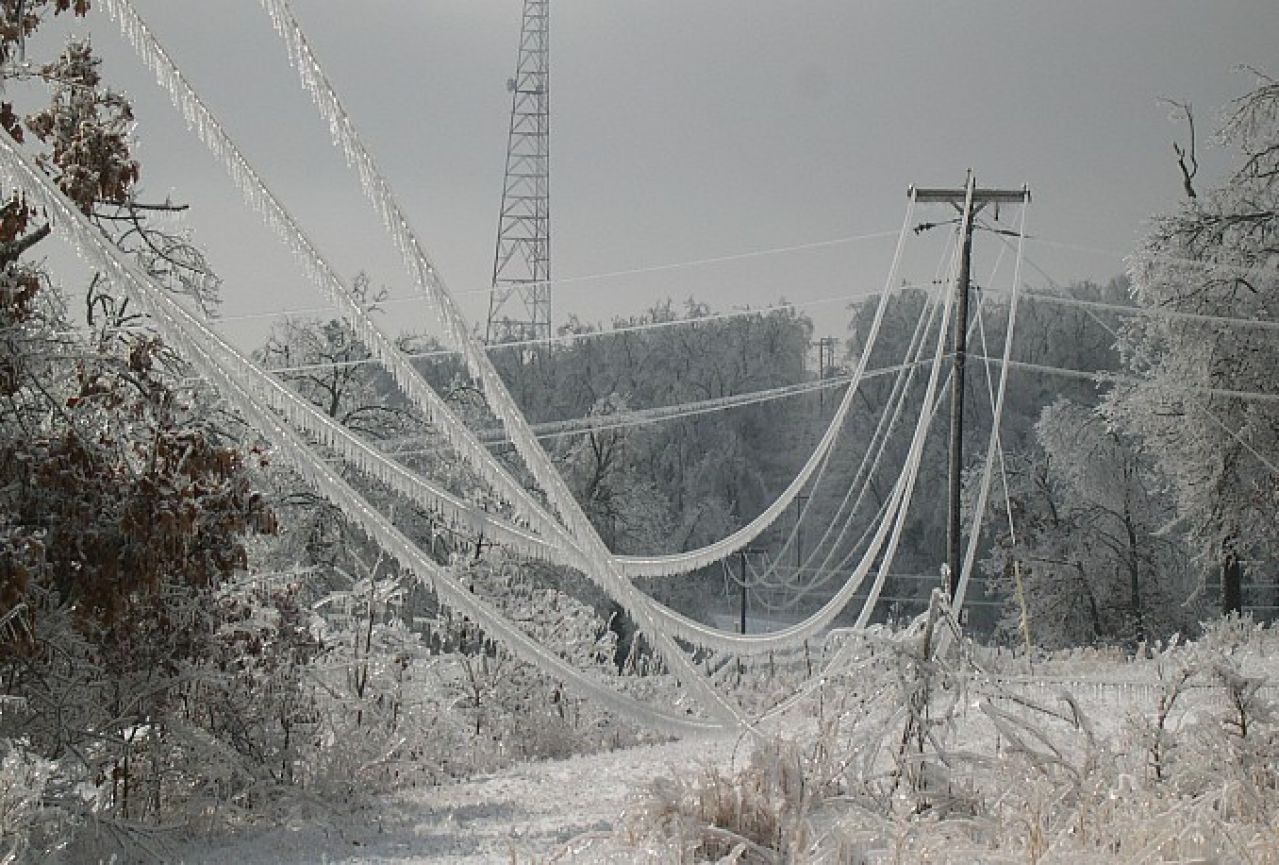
1065, 750
526, 813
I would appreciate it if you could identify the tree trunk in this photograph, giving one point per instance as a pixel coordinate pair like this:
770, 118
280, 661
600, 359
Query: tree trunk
1134, 579
1231, 583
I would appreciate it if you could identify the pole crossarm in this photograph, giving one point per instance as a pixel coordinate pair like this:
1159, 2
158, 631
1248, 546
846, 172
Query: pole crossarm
980, 196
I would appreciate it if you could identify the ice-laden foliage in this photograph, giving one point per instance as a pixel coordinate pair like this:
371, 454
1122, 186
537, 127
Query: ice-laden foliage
1093, 561
400, 691
500, 708
27, 825
85, 128
14, 30
139, 678
1214, 256
916, 756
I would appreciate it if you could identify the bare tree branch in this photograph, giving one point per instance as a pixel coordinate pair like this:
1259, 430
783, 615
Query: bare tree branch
1187, 160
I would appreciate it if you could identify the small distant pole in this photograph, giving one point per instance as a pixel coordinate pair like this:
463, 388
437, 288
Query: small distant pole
969, 201
800, 501
741, 558
825, 365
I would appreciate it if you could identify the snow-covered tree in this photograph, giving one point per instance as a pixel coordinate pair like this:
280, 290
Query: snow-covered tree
1191, 412
1093, 562
126, 506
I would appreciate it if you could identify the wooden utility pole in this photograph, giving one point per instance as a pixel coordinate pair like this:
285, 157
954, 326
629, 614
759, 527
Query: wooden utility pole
741, 558
825, 365
969, 201
800, 501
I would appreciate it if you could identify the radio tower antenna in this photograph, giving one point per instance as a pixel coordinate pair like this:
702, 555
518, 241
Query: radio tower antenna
520, 299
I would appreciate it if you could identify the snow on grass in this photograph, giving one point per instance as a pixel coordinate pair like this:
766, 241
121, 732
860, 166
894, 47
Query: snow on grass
1086, 757
526, 813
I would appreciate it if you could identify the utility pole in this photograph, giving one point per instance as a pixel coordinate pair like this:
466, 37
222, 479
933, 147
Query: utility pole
741, 558
969, 201
825, 365
800, 501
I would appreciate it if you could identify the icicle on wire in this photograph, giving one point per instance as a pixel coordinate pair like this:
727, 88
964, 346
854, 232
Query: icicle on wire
252, 187
377, 465
187, 333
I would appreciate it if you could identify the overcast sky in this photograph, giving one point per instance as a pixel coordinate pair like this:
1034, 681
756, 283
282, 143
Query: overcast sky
692, 129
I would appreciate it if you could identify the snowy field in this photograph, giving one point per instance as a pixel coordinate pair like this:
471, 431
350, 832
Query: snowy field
1088, 756
530, 812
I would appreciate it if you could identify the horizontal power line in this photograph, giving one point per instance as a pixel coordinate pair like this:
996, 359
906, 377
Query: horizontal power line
660, 414
1106, 377
569, 338
1144, 311
1029, 294
604, 275
643, 417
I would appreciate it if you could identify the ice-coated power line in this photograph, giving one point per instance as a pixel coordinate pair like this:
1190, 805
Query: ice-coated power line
257, 195
201, 121
183, 329
604, 567
570, 281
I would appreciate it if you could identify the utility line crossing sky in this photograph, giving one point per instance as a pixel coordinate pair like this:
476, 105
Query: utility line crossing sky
686, 130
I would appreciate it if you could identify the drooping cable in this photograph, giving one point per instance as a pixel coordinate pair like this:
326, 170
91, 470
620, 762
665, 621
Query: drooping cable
201, 121
211, 133
186, 332
869, 467
378, 190
602, 568
984, 489
1019, 591
429, 282
862, 480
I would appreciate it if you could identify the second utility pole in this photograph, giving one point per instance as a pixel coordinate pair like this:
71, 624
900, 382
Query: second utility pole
969, 201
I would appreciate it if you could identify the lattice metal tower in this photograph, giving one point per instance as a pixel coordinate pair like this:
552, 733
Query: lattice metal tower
520, 300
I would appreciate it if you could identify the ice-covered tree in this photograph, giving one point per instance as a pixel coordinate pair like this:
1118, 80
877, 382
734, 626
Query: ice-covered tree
133, 656
1093, 561
1214, 256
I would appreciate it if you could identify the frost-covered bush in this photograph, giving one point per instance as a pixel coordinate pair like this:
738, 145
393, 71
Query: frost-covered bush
752, 816
29, 825
916, 749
